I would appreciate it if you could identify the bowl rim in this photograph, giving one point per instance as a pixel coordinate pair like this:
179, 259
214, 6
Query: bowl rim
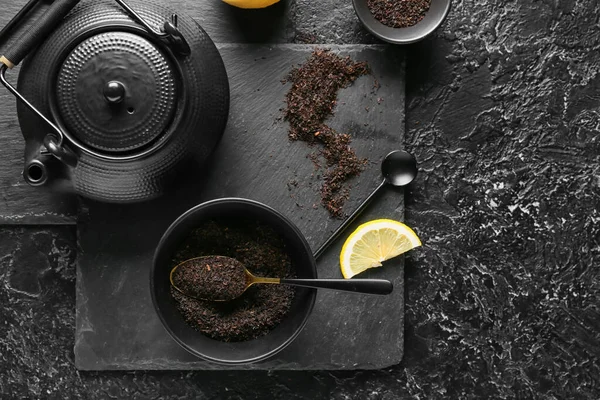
181, 219
410, 40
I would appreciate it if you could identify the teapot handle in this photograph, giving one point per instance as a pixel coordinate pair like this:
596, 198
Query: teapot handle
37, 32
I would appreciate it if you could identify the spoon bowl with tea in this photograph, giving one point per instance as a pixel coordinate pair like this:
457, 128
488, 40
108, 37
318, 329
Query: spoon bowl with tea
220, 278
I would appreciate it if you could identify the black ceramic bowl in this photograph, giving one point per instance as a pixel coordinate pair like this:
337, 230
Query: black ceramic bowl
435, 16
202, 346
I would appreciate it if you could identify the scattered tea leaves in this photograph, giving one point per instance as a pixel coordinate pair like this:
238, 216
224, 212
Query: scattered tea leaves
310, 101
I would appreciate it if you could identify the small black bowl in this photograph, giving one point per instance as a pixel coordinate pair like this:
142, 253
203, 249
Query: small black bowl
235, 353
433, 18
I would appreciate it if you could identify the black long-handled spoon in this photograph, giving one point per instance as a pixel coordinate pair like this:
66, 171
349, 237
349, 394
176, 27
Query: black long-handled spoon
399, 168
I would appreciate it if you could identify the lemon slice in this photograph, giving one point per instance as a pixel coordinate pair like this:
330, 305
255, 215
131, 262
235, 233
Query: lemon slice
251, 3
374, 242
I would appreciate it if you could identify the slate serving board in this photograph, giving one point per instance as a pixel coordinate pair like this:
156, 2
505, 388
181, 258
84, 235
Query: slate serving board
117, 327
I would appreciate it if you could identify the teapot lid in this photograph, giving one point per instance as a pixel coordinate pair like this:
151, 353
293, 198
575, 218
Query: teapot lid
116, 92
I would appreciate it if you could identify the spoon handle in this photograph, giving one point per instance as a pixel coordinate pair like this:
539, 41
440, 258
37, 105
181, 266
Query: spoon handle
348, 221
372, 286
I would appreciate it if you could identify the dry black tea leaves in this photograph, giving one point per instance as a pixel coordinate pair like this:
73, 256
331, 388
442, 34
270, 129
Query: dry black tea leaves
399, 13
262, 307
211, 278
310, 101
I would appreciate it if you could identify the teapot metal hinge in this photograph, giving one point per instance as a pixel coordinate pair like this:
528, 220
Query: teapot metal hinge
170, 33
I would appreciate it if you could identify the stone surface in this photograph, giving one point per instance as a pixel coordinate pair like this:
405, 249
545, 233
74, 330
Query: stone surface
332, 21
37, 304
504, 116
526, 328
117, 327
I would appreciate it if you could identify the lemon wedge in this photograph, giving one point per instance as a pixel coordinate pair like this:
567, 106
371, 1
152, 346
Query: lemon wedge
251, 3
374, 242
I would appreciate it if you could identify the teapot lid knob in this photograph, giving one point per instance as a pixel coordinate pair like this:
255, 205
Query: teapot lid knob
114, 92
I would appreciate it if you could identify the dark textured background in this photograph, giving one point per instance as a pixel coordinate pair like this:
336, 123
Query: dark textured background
502, 301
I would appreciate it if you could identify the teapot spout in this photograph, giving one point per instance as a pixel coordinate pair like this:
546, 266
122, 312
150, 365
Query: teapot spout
35, 172
42, 169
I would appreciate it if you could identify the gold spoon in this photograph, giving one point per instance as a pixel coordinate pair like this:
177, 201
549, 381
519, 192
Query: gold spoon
220, 278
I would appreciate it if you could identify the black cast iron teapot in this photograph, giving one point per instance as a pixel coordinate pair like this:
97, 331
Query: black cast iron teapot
119, 98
